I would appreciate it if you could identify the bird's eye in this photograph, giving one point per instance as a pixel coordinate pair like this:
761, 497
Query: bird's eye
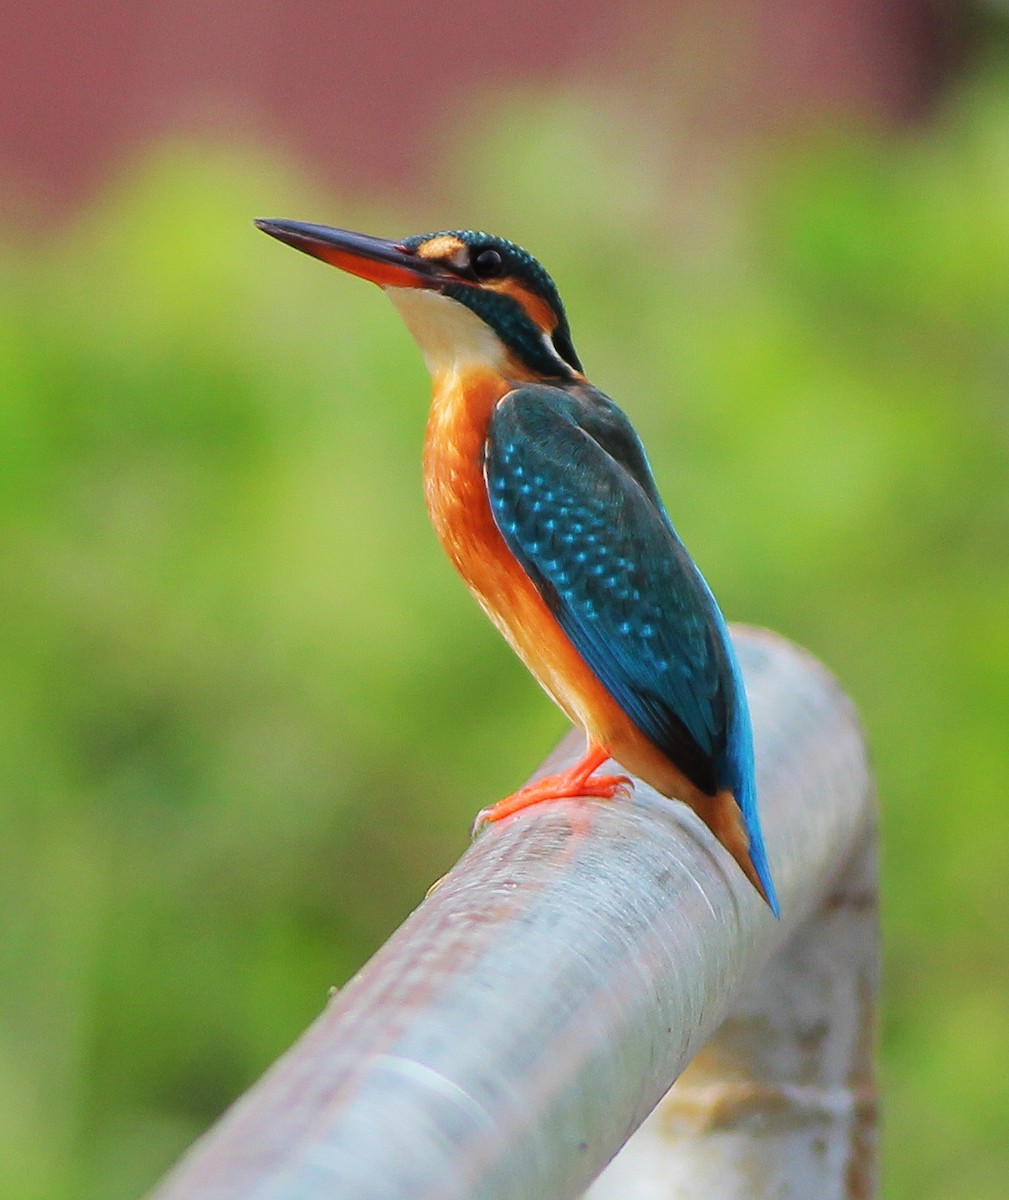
487, 263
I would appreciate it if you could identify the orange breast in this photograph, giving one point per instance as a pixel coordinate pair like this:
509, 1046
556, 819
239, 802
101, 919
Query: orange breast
460, 510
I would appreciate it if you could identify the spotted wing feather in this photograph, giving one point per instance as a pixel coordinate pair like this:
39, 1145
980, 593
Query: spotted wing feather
574, 499
582, 516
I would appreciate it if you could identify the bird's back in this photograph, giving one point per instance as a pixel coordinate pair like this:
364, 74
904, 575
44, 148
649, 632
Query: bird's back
575, 500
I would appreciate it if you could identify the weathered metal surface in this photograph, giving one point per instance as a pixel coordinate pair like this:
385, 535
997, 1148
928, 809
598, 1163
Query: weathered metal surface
781, 1103
528, 1016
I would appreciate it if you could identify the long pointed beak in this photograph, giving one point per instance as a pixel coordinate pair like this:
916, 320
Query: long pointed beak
386, 263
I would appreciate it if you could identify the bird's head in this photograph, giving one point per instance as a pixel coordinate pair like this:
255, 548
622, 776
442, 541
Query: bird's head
471, 300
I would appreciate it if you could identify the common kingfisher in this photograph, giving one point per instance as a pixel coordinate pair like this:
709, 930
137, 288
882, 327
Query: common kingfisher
541, 494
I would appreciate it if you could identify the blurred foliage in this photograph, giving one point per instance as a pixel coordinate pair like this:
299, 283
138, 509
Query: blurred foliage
246, 710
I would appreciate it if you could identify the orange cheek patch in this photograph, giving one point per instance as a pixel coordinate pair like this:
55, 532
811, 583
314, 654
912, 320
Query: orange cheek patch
536, 308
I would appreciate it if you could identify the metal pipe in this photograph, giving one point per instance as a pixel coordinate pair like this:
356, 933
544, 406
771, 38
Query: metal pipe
526, 1018
781, 1102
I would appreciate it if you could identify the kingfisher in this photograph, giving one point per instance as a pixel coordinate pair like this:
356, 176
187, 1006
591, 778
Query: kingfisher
541, 493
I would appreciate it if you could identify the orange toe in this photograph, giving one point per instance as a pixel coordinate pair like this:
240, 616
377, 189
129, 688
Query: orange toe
575, 782
606, 787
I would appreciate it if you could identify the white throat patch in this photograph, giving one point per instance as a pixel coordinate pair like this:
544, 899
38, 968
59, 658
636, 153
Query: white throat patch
451, 337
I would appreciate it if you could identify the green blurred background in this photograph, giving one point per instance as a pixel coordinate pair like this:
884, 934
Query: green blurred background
246, 709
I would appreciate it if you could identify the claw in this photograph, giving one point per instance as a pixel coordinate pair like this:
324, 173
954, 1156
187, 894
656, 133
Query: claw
578, 781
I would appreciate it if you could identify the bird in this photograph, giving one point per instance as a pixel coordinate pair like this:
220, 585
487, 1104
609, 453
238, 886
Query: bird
542, 495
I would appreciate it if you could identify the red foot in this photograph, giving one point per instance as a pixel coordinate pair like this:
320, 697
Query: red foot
573, 782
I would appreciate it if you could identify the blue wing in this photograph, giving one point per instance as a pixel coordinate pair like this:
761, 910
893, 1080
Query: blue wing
574, 499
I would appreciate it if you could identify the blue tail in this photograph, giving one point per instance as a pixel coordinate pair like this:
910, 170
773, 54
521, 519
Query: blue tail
741, 774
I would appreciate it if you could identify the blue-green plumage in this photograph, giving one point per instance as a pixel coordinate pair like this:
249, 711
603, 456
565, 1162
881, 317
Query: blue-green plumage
503, 313
574, 498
